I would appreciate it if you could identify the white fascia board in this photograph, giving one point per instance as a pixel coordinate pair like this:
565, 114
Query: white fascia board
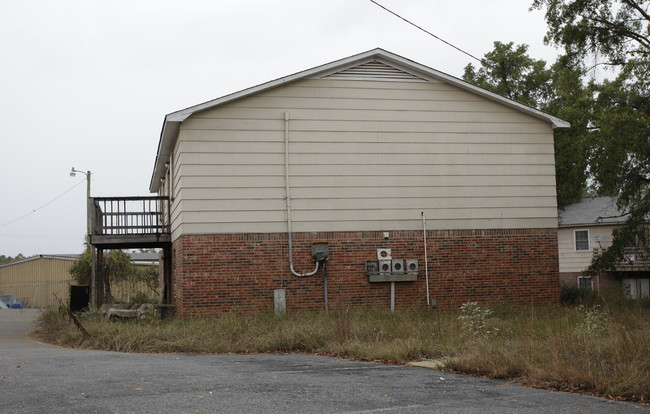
165, 146
593, 224
183, 114
427, 72
402, 63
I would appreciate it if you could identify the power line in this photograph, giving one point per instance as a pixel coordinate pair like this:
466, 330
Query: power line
428, 32
44, 205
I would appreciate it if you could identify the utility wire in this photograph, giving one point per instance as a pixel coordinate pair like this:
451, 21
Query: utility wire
428, 32
481, 61
44, 205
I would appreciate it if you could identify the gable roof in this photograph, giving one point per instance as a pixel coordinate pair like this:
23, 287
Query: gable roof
591, 211
65, 257
375, 64
136, 257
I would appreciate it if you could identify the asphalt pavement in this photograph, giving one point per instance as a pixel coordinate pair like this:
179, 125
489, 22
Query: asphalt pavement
41, 378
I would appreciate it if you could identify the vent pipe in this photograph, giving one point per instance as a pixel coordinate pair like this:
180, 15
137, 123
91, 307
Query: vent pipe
288, 196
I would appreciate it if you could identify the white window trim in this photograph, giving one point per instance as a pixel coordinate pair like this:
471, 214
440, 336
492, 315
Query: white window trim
575, 246
591, 280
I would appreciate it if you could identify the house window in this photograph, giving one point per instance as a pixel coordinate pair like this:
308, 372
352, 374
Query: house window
585, 282
581, 238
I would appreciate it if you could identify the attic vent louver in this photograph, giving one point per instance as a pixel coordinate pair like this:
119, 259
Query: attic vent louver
375, 70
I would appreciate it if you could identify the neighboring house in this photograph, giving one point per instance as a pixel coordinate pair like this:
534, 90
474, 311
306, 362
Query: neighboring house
585, 230
351, 154
35, 280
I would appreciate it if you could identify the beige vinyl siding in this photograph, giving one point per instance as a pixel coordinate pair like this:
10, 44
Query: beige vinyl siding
577, 261
176, 204
363, 156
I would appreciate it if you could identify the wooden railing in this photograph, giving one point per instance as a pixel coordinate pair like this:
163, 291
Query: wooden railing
635, 259
130, 215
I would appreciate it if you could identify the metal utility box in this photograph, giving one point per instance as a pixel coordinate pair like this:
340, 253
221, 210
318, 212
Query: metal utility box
280, 301
319, 251
79, 298
386, 271
384, 254
398, 266
385, 267
372, 267
411, 266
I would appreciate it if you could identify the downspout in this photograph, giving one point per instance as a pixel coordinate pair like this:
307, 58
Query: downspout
288, 196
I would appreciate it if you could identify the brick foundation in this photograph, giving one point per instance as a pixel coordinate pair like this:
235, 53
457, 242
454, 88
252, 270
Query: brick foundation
569, 278
238, 272
604, 282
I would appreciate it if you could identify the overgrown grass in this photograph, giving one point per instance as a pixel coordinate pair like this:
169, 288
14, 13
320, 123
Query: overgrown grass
598, 348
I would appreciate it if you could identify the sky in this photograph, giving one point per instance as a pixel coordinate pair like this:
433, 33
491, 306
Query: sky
87, 83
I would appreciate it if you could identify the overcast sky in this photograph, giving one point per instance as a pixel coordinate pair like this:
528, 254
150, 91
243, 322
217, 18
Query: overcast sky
87, 83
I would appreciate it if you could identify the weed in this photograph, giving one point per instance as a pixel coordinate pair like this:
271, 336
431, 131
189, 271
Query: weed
603, 350
475, 319
595, 321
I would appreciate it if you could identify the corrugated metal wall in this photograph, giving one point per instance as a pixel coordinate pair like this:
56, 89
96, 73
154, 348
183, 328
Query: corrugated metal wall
35, 282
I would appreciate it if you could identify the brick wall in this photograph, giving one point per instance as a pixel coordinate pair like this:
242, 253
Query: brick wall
570, 278
225, 272
604, 282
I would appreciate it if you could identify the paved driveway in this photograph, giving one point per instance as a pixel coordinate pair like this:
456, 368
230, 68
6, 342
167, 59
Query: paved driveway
39, 378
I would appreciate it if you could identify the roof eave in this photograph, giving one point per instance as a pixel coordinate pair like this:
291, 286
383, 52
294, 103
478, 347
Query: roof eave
594, 224
165, 146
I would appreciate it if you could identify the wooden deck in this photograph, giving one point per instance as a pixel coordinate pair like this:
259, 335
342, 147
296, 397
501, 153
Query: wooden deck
635, 260
130, 222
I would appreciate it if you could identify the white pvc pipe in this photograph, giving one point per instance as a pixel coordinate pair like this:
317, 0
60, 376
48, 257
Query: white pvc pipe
288, 194
426, 267
392, 296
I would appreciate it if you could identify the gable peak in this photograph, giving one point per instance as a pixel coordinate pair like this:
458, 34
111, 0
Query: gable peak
373, 70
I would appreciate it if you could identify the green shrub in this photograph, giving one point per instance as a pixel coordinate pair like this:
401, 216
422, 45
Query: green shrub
139, 298
572, 295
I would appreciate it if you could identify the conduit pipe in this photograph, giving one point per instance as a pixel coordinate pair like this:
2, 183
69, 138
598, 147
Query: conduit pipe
426, 267
327, 308
288, 194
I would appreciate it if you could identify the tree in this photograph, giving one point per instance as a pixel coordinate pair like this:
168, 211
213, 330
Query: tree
510, 72
7, 259
620, 161
614, 29
150, 276
615, 33
573, 101
116, 265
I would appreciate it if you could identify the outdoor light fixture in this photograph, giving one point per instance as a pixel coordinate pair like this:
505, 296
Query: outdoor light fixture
74, 172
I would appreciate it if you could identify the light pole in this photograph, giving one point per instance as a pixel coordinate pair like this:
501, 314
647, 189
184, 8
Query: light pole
93, 284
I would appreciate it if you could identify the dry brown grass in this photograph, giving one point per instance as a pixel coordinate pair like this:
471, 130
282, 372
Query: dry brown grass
605, 352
